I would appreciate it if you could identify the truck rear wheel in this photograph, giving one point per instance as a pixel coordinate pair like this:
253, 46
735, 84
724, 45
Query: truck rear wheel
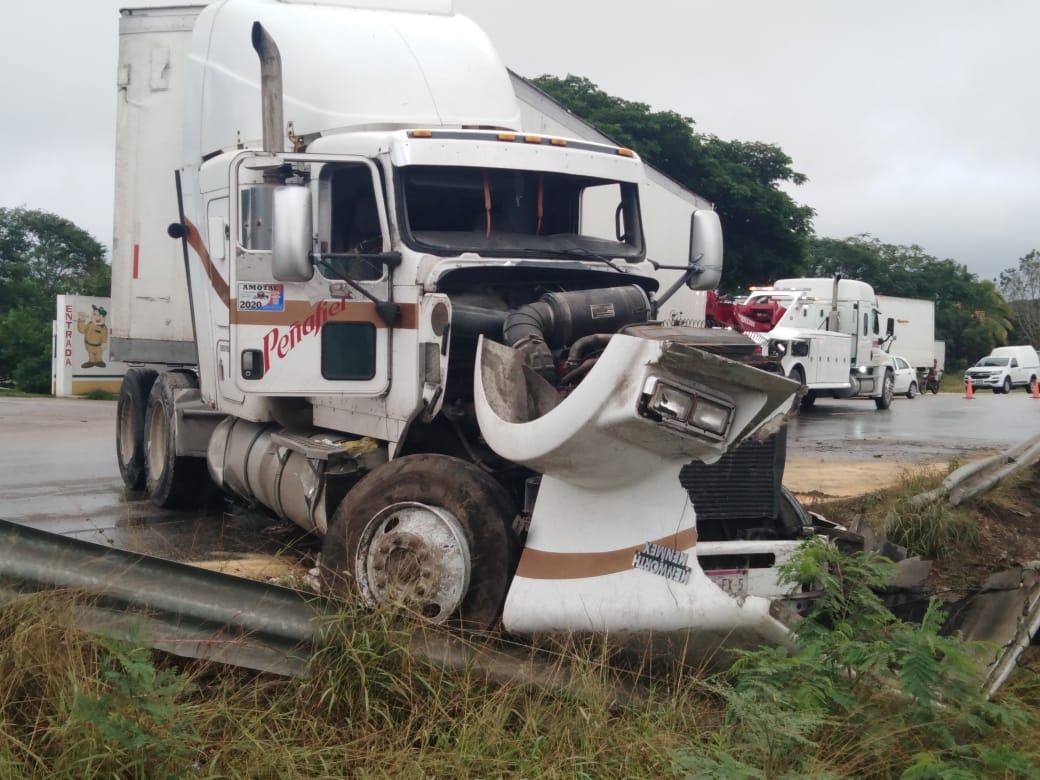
130, 411
171, 481
430, 531
884, 400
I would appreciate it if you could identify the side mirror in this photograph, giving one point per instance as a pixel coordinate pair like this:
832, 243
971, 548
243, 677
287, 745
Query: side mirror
705, 250
291, 234
890, 328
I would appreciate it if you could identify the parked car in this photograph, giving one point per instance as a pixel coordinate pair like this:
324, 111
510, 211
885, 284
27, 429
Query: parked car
904, 376
1005, 368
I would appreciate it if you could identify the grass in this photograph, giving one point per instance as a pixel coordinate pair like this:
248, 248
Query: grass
92, 395
10, 392
862, 695
931, 529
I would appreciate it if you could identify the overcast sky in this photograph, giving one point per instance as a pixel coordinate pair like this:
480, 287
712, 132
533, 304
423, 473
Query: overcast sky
916, 121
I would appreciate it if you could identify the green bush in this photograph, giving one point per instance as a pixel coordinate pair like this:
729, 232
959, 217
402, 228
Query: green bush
862, 694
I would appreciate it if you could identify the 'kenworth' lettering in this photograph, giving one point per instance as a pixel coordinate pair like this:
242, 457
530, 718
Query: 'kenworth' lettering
663, 561
278, 343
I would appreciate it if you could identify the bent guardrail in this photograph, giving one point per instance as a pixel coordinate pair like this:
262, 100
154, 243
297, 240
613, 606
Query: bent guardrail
182, 609
981, 475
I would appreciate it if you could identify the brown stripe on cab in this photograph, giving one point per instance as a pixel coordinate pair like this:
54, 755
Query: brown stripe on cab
194, 239
351, 311
542, 565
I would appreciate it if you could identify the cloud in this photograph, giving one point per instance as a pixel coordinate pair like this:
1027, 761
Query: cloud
913, 121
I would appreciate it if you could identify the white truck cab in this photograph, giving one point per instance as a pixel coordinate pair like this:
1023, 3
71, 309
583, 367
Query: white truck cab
830, 339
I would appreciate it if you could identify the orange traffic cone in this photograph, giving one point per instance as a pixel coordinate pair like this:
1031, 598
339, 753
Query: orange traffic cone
969, 391
1035, 387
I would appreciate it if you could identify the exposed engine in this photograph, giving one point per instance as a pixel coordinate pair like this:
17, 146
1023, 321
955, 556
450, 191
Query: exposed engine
562, 333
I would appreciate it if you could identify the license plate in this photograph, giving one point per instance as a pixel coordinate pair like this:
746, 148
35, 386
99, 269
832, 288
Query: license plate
732, 581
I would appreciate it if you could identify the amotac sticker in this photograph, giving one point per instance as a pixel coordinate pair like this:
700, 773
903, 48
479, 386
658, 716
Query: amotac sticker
256, 296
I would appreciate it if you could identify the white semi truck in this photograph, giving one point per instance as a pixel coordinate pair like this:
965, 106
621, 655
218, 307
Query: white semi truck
401, 322
828, 337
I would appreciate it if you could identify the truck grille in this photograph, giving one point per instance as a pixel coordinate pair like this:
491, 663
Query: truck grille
742, 484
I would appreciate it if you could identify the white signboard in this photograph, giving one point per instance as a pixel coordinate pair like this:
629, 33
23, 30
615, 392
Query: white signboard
80, 356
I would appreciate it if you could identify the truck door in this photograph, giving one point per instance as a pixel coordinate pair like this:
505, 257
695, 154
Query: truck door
875, 353
322, 334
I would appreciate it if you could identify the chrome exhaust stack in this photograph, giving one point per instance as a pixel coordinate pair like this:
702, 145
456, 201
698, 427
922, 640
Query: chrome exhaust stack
270, 89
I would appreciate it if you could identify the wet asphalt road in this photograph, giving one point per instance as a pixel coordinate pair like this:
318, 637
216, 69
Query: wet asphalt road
58, 468
59, 473
946, 426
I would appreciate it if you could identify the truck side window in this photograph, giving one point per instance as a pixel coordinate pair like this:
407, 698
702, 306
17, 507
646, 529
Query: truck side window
354, 231
348, 350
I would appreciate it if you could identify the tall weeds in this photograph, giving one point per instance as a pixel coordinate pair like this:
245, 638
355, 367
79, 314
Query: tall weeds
862, 695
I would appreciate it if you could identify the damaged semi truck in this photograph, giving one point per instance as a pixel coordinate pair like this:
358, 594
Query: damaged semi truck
398, 321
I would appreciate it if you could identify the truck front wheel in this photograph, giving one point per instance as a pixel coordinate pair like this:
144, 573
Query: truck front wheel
171, 481
798, 375
884, 400
430, 532
130, 411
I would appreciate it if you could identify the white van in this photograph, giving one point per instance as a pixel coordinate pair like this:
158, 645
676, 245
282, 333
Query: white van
1005, 368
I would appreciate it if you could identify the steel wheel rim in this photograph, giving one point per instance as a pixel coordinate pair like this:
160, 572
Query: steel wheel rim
415, 554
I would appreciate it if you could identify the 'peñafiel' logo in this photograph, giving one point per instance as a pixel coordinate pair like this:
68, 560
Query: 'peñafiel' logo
279, 343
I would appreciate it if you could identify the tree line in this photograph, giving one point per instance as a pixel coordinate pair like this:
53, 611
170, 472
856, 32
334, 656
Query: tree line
767, 236
42, 256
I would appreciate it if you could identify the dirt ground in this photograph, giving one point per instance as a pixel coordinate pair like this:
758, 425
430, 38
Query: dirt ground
1009, 527
819, 479
1008, 516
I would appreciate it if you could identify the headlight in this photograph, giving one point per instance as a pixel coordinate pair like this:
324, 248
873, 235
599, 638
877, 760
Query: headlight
693, 411
673, 403
711, 416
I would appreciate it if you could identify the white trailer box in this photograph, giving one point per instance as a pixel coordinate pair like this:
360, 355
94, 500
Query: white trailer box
149, 293
914, 329
940, 355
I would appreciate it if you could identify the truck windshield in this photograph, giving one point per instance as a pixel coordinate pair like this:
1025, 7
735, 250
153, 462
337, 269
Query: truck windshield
494, 211
993, 361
